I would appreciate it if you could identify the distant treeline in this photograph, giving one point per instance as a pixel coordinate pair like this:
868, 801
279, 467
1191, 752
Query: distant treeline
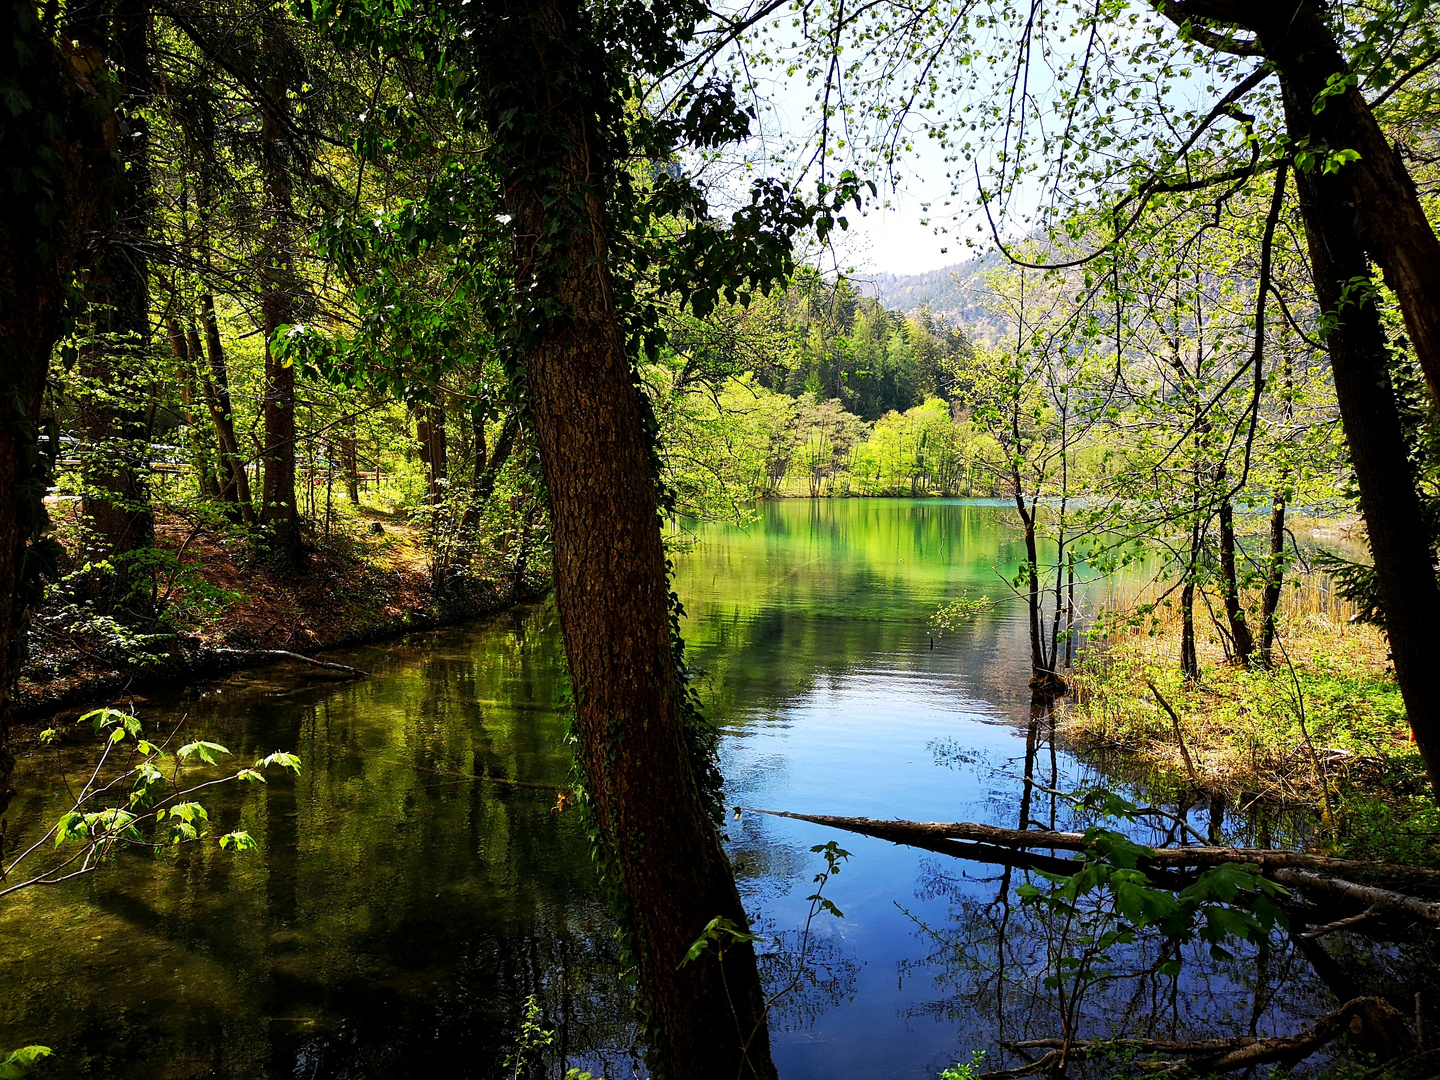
817, 391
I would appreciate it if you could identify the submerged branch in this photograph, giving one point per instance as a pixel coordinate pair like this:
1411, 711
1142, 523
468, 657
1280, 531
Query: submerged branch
1221, 1055
285, 654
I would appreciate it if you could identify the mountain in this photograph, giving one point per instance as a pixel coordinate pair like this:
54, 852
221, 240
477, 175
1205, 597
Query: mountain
955, 293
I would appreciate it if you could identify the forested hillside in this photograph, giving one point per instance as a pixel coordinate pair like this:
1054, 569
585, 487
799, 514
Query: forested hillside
957, 293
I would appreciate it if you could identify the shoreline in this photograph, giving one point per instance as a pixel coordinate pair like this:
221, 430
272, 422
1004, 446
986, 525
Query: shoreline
196, 662
225, 610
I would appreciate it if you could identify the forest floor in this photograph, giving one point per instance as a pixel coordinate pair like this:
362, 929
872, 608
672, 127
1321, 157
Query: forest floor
1321, 736
219, 602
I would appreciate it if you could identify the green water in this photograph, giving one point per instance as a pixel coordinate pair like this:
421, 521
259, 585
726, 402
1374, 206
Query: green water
414, 886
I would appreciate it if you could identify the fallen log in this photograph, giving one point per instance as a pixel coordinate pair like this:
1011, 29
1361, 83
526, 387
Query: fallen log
1341, 924
1379, 900
910, 832
285, 654
1364, 1015
1149, 1046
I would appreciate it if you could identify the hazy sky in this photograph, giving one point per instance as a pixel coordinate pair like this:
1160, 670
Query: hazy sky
893, 240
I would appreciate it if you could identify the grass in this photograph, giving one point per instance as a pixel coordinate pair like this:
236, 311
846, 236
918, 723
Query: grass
1323, 732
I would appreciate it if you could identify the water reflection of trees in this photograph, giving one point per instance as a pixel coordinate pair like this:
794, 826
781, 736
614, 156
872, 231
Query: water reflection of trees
819, 592
403, 908
805, 976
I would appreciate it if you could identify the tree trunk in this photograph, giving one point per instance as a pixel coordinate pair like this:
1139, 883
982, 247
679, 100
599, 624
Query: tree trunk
1274, 580
1377, 190
1189, 657
1240, 635
487, 473
706, 1019
280, 509
1275, 562
236, 485
1039, 673
1389, 220
185, 366
213, 454
59, 150
350, 465
430, 434
1359, 361
115, 505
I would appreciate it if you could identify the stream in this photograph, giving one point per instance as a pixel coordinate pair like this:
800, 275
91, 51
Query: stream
415, 886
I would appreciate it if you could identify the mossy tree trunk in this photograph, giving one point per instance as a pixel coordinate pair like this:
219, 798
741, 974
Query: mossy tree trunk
57, 150
661, 847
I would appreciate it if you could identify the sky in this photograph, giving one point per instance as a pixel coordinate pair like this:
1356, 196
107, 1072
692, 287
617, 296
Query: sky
894, 240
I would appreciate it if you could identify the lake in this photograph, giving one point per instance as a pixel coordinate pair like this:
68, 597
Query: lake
416, 886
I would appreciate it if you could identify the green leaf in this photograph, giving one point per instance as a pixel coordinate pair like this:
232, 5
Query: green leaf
1338, 159
239, 841
71, 826
19, 1062
190, 812
284, 760
717, 931
205, 751
183, 833
102, 718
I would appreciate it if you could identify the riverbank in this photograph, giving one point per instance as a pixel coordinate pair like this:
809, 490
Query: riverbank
1322, 734
222, 608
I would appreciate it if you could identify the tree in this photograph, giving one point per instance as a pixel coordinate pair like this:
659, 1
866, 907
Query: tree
550, 98
113, 367
57, 135
1033, 402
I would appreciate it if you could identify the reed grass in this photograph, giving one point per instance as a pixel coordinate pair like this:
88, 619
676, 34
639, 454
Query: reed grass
1323, 730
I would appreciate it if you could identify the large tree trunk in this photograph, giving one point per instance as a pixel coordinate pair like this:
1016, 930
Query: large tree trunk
1377, 190
663, 853
1359, 361
280, 509
61, 148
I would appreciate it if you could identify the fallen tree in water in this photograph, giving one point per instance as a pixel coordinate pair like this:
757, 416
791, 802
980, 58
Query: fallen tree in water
1316, 875
911, 832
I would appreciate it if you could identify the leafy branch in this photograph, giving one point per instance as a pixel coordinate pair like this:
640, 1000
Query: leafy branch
141, 806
